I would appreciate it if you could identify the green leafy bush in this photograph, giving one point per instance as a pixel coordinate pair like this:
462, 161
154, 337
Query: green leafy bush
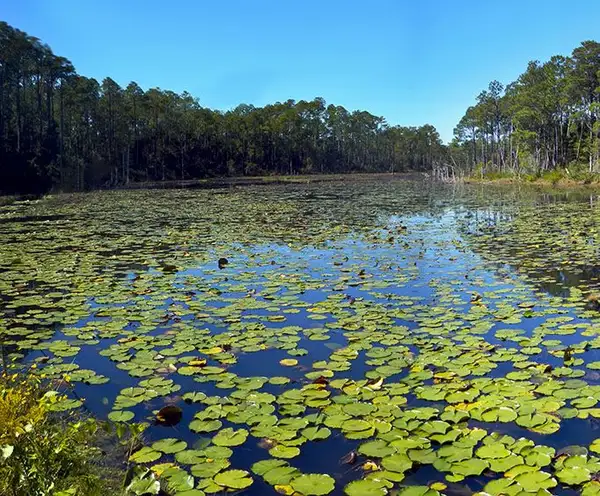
43, 452
553, 176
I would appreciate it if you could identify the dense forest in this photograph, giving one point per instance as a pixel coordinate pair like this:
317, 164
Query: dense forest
62, 130
548, 118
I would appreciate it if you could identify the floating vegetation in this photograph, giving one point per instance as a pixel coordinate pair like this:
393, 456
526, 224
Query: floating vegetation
390, 337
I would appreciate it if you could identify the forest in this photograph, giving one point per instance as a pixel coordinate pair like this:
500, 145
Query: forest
60, 130
64, 131
547, 119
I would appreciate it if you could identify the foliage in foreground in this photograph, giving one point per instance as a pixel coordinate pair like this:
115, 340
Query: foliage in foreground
43, 452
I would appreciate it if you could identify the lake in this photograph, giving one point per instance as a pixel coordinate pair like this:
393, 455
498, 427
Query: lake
362, 337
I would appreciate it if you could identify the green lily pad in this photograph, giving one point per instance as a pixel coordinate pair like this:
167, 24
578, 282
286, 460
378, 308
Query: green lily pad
366, 487
418, 491
208, 469
230, 437
399, 462
376, 449
281, 475
190, 457
121, 416
263, 466
316, 433
198, 425
356, 425
465, 468
532, 481
313, 484
144, 486
234, 479
282, 451
145, 455
169, 445
496, 450
595, 446
573, 476
500, 487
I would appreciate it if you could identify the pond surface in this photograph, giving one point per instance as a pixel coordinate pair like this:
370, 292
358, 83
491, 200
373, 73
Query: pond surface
440, 339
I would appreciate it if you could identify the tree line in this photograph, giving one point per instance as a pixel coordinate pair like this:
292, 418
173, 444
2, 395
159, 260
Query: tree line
549, 118
62, 130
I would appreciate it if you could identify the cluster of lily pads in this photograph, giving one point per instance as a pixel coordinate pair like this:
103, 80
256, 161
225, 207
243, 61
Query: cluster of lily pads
271, 320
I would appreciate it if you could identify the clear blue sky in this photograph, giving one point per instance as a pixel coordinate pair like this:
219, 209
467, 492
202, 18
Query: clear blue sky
414, 62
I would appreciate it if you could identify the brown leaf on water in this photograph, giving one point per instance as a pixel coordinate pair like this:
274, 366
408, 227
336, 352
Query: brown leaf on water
321, 381
568, 354
266, 443
169, 415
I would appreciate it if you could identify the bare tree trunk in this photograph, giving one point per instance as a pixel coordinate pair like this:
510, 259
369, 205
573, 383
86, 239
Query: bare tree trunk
62, 129
591, 148
18, 119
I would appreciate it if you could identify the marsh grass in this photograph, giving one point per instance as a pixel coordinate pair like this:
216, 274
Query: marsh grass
576, 174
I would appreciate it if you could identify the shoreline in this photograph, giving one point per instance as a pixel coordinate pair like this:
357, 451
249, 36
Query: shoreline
234, 181
562, 183
231, 182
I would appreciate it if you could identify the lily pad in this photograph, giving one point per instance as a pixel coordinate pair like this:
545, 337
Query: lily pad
234, 479
366, 487
145, 455
169, 445
313, 484
230, 437
121, 416
282, 451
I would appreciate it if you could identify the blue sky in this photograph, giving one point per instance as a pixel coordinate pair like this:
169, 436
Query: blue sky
413, 62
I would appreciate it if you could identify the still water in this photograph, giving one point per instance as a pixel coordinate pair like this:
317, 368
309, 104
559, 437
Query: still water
446, 334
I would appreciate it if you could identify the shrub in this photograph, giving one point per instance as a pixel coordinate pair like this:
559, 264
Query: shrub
553, 176
42, 452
